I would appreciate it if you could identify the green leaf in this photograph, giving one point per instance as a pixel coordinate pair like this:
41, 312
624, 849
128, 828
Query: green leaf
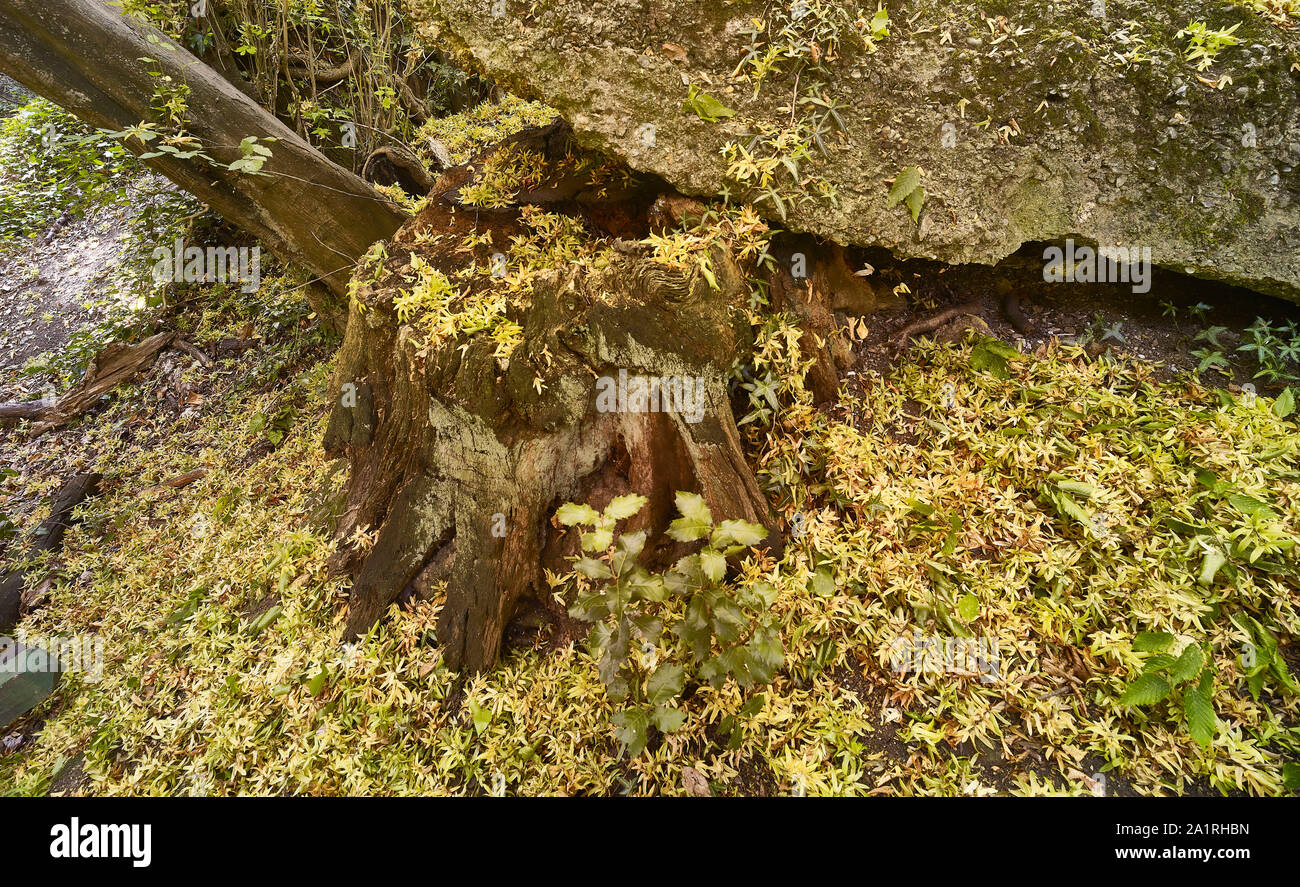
630, 729
738, 532
686, 530
1210, 566
570, 514
317, 683
1291, 776
261, 623
1160, 662
1078, 488
592, 568
1250, 505
482, 716
823, 582
667, 719
597, 540
713, 564
765, 591
1187, 666
1283, 674
984, 359
968, 608
666, 683
632, 544
914, 202
1284, 405
1152, 641
1148, 689
694, 629
693, 507
1198, 707
705, 106
625, 506
905, 184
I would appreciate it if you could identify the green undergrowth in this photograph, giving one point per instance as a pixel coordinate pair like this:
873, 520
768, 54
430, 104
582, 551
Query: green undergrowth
52, 164
1058, 509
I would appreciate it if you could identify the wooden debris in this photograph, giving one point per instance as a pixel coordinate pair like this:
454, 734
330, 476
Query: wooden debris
114, 365
47, 537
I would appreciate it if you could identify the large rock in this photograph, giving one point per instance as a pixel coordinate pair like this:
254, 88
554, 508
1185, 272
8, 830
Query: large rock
1031, 120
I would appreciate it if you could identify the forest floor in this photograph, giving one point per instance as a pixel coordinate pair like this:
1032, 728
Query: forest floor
1053, 503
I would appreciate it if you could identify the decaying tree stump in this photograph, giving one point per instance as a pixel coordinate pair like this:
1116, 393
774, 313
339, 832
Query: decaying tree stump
459, 456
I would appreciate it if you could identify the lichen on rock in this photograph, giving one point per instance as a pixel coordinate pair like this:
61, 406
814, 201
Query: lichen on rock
1032, 121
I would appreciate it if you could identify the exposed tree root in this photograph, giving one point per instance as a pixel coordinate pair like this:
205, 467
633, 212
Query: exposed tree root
932, 323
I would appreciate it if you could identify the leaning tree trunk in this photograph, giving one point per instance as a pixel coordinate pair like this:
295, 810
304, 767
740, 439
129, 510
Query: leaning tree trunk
89, 58
460, 458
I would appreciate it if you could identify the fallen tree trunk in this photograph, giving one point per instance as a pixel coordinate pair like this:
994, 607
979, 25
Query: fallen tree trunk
104, 67
27, 409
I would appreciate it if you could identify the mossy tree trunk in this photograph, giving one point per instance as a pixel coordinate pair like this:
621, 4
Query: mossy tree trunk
104, 67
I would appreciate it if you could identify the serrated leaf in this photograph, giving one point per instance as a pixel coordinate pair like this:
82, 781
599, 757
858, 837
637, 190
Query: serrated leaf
1152, 641
693, 507
630, 729
905, 184
765, 591
1198, 707
738, 532
753, 706
695, 627
684, 529
713, 564
1148, 689
667, 719
1187, 666
570, 513
597, 540
592, 568
632, 544
666, 683
621, 507
1250, 505
914, 202
1160, 662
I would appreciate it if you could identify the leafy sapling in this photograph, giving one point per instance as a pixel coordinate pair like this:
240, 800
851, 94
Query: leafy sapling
654, 632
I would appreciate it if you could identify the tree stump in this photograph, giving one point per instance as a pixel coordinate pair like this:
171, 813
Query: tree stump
459, 456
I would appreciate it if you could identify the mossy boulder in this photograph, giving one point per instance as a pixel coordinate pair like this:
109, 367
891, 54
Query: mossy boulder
1030, 121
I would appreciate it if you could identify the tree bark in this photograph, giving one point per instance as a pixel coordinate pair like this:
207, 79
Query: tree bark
460, 458
88, 58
